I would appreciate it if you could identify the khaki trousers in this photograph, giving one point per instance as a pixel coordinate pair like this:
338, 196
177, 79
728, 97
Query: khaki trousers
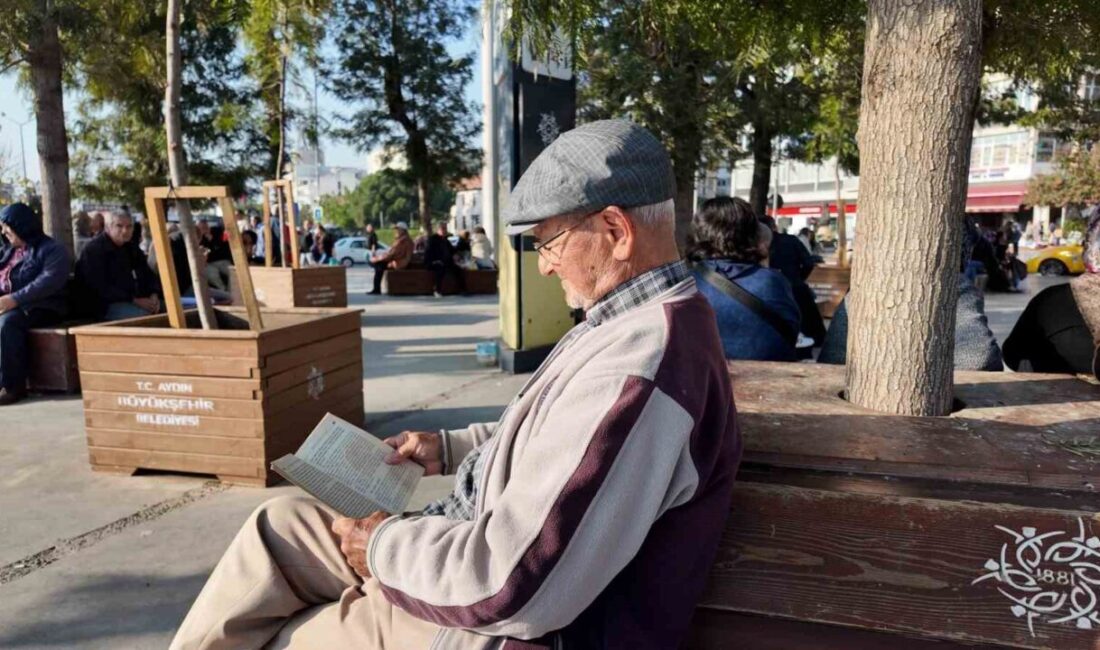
284, 583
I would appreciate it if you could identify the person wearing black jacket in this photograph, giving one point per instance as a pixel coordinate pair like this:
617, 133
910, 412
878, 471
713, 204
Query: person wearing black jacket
1059, 331
439, 256
113, 274
788, 256
219, 259
33, 271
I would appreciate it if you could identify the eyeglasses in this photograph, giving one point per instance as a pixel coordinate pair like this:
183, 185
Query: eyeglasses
540, 247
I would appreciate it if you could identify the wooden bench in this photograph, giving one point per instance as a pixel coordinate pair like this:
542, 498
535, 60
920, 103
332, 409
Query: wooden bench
420, 282
855, 529
53, 360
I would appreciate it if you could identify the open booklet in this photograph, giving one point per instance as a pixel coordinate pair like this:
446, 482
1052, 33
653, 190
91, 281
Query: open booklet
344, 467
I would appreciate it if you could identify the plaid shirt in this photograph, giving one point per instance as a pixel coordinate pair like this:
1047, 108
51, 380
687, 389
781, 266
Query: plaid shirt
462, 502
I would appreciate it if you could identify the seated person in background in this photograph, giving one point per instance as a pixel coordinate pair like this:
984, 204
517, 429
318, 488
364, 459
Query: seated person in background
248, 241
757, 316
113, 275
82, 231
439, 257
397, 257
787, 255
481, 249
33, 271
320, 252
975, 346
463, 248
1059, 330
183, 270
219, 259
99, 223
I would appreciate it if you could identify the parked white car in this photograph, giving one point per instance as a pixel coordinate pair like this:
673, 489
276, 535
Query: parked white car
350, 251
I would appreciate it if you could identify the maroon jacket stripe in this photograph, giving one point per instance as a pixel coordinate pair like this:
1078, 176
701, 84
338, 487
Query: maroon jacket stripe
558, 529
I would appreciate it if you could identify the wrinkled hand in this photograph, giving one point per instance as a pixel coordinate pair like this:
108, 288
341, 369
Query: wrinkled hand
421, 447
354, 536
7, 303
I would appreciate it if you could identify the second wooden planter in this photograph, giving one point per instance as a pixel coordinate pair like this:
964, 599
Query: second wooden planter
225, 402
315, 286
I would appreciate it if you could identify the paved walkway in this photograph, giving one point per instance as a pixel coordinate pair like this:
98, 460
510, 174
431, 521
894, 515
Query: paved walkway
99, 561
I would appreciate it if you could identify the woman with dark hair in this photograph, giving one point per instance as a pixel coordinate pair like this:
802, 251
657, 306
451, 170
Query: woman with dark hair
1059, 330
757, 315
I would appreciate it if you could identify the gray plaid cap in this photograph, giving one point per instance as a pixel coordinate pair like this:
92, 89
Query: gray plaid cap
609, 162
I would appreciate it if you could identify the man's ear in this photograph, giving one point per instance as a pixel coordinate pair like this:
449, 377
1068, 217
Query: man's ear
621, 231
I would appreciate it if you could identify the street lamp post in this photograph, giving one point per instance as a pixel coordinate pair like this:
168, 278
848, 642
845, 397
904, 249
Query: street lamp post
22, 148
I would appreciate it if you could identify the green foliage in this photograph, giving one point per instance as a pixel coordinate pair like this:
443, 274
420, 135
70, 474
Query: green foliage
1045, 48
277, 33
393, 65
118, 134
384, 198
1075, 181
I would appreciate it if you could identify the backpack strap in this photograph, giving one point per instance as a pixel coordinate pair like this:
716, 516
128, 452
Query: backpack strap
754, 304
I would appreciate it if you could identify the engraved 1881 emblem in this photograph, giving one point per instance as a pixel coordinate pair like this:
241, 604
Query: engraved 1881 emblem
1052, 577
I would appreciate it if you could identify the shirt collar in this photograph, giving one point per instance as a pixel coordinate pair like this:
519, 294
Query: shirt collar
637, 291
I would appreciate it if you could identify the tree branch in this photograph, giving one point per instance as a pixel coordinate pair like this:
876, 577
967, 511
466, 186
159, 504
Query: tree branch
8, 65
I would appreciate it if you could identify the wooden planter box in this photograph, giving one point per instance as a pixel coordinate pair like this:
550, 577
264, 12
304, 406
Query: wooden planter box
225, 402
283, 287
853, 529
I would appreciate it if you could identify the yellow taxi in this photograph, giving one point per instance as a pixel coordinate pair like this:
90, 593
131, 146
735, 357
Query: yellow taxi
1057, 260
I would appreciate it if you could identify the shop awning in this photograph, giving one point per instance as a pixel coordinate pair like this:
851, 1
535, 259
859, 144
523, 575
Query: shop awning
1003, 197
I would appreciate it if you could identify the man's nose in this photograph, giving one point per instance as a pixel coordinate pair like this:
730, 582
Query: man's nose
545, 267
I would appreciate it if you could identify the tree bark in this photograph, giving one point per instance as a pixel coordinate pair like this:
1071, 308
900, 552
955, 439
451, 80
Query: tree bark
177, 168
841, 221
282, 119
761, 169
920, 79
424, 207
45, 59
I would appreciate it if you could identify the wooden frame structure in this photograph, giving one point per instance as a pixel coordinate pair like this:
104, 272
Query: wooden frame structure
156, 199
284, 201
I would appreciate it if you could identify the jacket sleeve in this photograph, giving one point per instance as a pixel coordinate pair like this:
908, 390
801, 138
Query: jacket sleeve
558, 535
50, 280
457, 443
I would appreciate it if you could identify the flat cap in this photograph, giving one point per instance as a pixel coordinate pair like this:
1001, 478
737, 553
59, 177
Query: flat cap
609, 162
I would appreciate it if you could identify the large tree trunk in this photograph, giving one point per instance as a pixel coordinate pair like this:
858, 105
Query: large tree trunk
920, 79
685, 210
177, 167
53, 143
424, 207
761, 168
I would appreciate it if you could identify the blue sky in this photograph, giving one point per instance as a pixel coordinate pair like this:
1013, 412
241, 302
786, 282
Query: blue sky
16, 103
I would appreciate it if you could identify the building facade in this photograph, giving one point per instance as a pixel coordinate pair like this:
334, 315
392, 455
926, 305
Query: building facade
1003, 159
314, 180
466, 211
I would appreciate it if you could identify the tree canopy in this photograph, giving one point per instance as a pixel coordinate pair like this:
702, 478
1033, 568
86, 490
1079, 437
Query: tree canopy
384, 198
392, 64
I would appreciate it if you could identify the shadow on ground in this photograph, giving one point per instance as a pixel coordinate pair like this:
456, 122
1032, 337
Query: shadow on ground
90, 616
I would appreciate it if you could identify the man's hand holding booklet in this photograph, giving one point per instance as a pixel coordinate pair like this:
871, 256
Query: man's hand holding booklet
344, 467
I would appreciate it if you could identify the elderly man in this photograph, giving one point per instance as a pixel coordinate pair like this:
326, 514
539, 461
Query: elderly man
33, 271
586, 517
397, 257
114, 275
